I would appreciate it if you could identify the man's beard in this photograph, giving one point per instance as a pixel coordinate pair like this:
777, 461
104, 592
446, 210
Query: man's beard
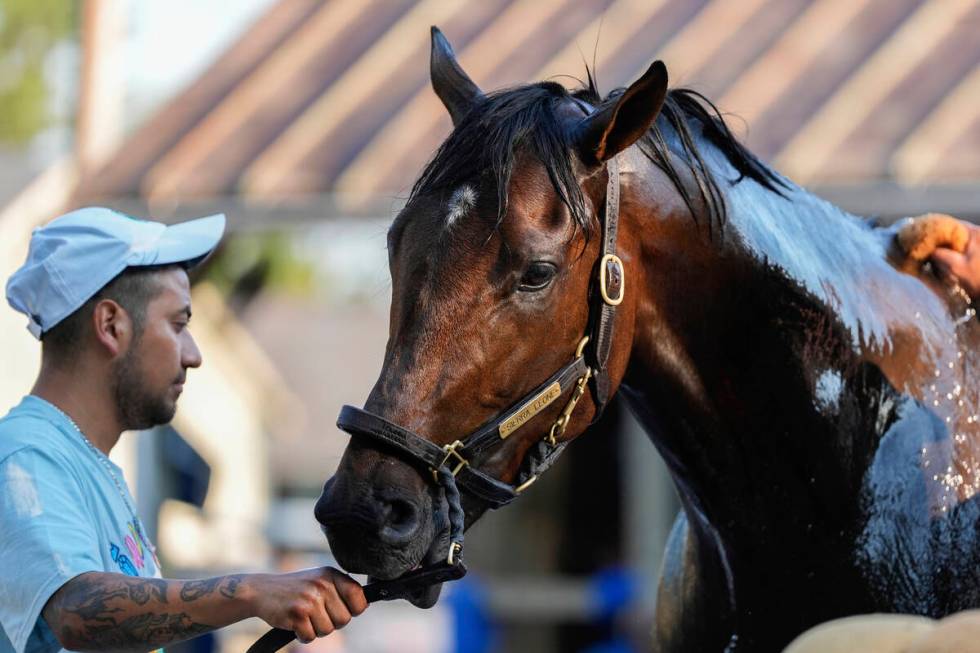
137, 407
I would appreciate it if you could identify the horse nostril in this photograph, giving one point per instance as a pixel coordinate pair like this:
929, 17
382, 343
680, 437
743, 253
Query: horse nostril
400, 521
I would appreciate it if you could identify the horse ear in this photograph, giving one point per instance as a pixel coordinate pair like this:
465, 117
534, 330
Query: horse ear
611, 129
453, 86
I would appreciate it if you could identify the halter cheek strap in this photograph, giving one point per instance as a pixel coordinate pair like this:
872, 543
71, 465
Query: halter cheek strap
450, 464
612, 286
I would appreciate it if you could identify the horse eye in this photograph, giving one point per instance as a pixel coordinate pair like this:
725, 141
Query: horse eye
538, 275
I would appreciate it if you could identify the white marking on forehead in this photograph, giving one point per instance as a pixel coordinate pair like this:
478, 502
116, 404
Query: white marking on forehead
23, 493
463, 199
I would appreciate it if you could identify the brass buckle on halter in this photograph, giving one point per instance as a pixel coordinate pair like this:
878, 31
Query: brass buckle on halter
612, 279
558, 428
455, 548
451, 450
526, 484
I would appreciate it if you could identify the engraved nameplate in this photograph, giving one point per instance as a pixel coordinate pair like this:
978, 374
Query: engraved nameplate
530, 409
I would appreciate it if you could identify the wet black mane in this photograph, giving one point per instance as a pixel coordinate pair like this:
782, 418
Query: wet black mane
486, 140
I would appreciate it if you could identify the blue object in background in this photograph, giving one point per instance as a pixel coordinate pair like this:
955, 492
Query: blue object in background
611, 646
473, 631
190, 473
613, 591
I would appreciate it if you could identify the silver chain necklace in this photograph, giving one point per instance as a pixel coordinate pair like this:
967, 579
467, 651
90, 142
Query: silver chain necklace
107, 466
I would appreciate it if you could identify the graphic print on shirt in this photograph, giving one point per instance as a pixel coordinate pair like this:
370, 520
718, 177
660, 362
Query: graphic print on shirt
121, 559
133, 563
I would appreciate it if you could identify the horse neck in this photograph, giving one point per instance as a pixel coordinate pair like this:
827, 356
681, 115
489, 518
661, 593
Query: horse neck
736, 347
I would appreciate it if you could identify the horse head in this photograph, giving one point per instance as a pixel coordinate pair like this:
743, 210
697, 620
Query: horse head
494, 266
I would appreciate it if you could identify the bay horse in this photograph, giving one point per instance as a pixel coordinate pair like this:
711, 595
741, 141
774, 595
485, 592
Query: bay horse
815, 405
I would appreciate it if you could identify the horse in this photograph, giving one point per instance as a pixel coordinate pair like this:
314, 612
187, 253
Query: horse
814, 401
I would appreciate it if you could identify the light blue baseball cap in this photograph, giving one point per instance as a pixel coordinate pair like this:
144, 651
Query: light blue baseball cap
72, 257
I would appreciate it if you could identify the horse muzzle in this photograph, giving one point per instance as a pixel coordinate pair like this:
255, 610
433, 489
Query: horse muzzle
378, 527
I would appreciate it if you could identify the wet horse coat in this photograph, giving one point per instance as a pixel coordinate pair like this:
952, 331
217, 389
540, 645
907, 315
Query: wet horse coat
823, 435
816, 407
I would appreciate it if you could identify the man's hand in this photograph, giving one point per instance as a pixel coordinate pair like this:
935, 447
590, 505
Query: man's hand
961, 268
312, 603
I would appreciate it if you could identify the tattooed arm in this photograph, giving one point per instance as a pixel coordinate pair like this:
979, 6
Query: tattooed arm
112, 612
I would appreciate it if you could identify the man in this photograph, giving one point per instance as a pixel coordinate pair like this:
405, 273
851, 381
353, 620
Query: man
109, 298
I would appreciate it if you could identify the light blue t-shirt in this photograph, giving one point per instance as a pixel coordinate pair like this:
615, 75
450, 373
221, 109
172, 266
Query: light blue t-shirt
61, 515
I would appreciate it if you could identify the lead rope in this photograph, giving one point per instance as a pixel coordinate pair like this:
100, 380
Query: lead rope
455, 514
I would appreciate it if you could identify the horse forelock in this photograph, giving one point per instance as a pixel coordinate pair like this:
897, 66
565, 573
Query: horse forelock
482, 150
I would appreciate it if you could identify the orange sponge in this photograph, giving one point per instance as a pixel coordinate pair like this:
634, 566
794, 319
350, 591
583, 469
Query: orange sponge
919, 237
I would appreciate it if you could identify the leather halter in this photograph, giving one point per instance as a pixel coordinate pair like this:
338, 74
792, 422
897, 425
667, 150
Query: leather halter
450, 464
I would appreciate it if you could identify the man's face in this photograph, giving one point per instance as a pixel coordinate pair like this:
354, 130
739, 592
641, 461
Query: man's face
149, 377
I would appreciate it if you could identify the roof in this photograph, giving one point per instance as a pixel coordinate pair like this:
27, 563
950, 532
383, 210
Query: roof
323, 98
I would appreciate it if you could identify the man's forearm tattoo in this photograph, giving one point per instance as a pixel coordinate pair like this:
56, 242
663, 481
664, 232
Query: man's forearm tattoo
144, 589
97, 612
88, 600
230, 586
195, 589
136, 631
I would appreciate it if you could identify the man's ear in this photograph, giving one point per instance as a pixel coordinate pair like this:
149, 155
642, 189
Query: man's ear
113, 326
612, 128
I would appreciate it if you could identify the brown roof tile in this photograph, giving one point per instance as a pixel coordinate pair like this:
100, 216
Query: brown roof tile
323, 97
123, 174
871, 143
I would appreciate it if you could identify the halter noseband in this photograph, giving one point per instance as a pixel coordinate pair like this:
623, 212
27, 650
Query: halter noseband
450, 464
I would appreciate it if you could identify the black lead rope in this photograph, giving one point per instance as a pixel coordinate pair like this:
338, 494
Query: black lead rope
382, 590
456, 515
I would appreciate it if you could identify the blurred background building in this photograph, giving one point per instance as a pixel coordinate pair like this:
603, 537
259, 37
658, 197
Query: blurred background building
306, 121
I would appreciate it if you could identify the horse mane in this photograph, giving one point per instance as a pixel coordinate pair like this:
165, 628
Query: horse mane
483, 146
